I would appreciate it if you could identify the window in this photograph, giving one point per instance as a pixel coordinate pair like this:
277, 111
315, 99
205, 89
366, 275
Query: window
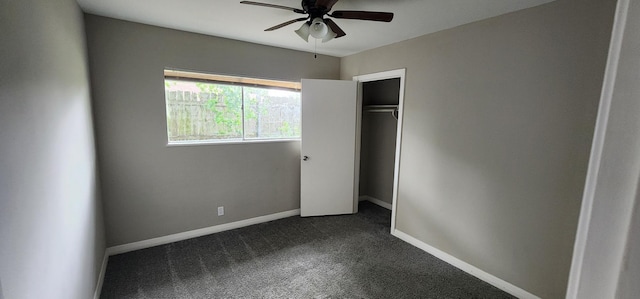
212, 108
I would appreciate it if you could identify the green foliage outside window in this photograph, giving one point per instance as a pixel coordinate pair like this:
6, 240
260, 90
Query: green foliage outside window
201, 111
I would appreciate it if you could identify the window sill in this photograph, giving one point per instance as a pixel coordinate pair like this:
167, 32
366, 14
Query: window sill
228, 142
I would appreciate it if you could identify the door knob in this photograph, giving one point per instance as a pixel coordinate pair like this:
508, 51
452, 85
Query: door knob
305, 158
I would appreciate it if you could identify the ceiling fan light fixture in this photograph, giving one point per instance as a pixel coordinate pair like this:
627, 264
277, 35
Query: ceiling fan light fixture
318, 29
329, 36
303, 32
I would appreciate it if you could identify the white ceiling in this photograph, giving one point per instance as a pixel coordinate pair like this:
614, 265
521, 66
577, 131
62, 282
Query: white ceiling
230, 19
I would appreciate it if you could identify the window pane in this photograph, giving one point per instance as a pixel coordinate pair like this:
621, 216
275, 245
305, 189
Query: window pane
199, 111
271, 113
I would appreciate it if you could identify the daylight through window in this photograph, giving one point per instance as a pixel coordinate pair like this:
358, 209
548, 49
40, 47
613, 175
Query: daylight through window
211, 108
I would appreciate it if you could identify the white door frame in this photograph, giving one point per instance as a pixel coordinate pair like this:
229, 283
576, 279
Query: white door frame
400, 73
577, 283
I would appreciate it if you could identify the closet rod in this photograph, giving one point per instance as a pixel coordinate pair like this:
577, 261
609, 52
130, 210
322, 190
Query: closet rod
381, 108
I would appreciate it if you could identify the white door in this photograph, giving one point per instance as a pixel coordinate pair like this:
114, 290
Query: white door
329, 179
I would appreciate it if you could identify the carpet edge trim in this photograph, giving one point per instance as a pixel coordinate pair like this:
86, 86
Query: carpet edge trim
103, 271
118, 249
466, 267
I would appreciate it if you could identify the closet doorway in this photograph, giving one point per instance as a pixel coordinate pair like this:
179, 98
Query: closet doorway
380, 127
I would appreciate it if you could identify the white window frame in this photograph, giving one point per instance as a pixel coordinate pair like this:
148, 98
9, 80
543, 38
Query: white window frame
172, 74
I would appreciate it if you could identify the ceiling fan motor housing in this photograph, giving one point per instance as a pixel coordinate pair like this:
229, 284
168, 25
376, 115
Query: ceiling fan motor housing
316, 11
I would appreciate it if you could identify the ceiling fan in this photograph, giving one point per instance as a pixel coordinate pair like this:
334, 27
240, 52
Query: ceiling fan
317, 25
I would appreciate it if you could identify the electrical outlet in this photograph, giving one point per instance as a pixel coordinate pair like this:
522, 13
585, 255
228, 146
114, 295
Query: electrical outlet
220, 211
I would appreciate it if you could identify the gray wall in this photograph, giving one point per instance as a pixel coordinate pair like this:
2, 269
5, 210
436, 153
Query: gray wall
499, 116
381, 92
627, 285
51, 231
611, 257
151, 190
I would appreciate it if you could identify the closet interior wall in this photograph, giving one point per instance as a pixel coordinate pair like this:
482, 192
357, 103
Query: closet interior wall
378, 144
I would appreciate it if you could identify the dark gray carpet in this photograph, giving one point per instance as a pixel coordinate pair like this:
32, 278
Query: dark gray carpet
351, 256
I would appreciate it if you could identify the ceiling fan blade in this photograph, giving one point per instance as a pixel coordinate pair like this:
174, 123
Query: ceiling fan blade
296, 10
327, 4
335, 28
363, 15
285, 24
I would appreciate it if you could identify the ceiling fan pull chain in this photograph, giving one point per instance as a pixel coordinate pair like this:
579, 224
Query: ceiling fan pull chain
315, 48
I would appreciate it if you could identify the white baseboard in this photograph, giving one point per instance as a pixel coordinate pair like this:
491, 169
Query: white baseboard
376, 201
198, 232
495, 281
103, 270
